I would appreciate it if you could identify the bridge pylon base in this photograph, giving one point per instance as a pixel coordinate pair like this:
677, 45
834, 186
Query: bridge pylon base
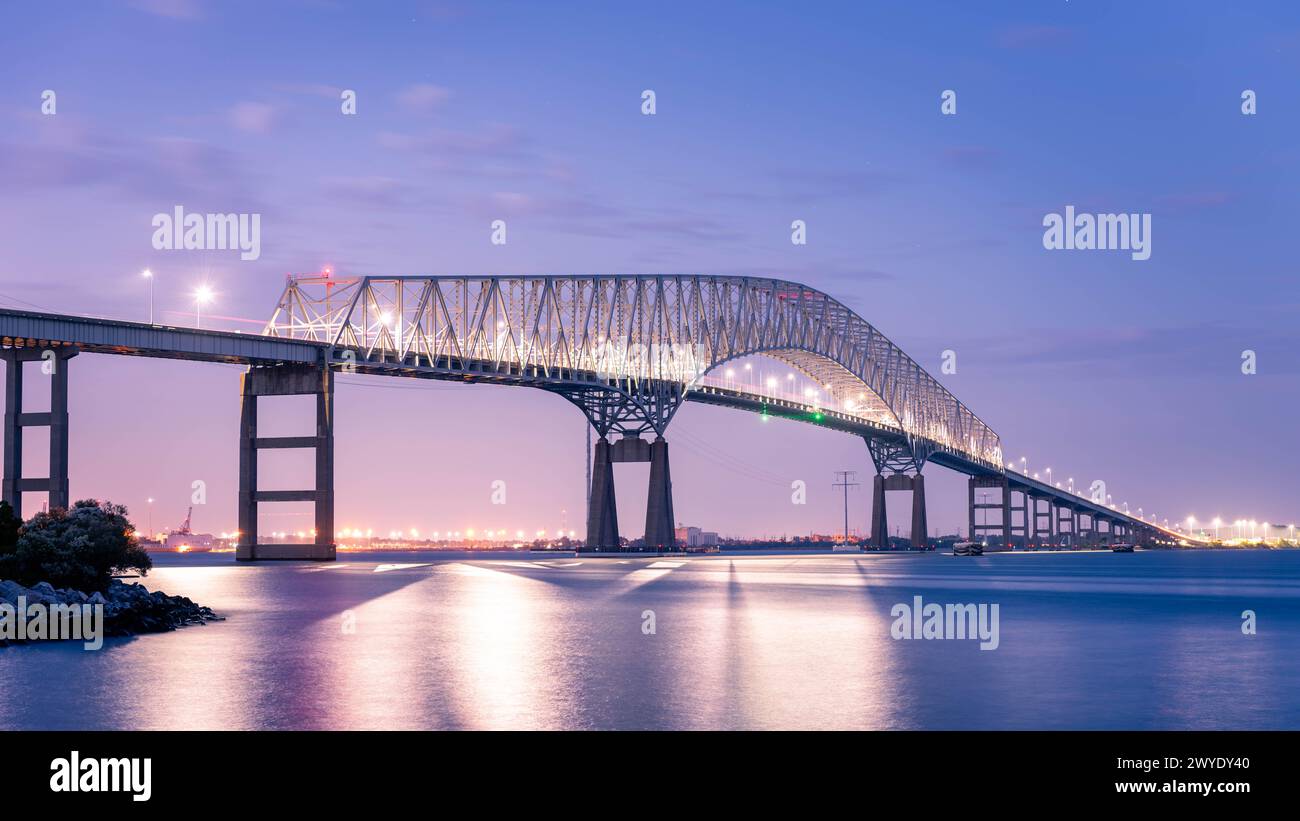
54, 361
286, 380
879, 518
602, 519
660, 533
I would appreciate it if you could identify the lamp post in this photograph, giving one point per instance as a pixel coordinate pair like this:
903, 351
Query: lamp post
147, 274
202, 296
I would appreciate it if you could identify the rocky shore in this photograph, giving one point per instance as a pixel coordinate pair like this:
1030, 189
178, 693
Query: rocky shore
129, 608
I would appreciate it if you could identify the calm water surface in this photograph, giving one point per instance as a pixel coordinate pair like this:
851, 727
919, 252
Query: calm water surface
1088, 640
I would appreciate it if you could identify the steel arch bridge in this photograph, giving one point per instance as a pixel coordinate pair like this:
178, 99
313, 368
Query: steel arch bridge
638, 342
629, 349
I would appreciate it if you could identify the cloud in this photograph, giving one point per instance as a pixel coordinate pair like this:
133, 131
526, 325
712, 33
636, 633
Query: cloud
498, 151
255, 118
1196, 200
171, 9
803, 186
1034, 36
1203, 349
374, 191
159, 169
422, 98
970, 156
311, 89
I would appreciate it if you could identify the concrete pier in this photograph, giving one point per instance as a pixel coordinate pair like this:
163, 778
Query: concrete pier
879, 518
54, 365
602, 517
660, 532
286, 380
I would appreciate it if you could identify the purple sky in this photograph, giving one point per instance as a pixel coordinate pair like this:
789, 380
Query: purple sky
929, 226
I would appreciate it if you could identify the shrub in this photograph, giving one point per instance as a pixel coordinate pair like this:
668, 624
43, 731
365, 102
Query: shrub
79, 548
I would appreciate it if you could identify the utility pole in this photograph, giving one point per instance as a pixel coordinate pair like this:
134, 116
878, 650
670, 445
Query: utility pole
846, 478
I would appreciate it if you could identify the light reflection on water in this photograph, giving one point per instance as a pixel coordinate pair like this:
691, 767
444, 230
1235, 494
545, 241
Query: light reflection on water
1146, 640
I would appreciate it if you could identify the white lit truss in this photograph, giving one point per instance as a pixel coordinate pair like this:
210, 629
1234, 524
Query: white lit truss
614, 330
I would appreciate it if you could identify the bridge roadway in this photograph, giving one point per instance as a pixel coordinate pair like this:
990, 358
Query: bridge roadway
280, 365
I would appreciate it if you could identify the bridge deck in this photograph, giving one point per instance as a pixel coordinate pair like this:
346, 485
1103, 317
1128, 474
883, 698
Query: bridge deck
30, 329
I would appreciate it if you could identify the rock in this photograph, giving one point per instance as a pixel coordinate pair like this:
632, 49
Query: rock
10, 591
128, 608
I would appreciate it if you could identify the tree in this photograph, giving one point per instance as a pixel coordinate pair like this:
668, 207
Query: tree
10, 525
79, 548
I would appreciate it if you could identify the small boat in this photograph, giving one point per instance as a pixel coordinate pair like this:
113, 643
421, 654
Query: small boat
968, 549
1122, 547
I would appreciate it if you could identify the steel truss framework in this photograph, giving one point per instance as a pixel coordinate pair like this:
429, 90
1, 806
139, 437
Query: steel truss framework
645, 337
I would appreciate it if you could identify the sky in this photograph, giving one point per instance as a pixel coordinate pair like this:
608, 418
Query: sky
929, 225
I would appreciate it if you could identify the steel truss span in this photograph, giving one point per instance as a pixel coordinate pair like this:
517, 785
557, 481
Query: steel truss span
633, 334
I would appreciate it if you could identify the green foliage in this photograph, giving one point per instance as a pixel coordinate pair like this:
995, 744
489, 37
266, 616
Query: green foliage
79, 548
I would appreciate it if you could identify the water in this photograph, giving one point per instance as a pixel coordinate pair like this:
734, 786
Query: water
1087, 640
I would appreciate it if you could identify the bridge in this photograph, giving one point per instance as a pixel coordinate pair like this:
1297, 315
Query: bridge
627, 351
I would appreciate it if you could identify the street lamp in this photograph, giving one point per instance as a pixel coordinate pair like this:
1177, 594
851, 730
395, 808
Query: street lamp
147, 274
1071, 481
202, 296
150, 517
1049, 476
1024, 466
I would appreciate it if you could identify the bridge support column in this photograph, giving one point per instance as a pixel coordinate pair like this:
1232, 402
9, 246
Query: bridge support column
1042, 534
659, 522
903, 465
879, 519
920, 529
286, 380
1062, 518
54, 363
602, 519
979, 531
612, 411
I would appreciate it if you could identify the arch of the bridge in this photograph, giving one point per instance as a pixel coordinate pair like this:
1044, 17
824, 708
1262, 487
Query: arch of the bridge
604, 330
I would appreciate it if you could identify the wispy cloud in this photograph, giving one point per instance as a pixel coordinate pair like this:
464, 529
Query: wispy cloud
75, 155
254, 118
1034, 36
422, 98
172, 9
